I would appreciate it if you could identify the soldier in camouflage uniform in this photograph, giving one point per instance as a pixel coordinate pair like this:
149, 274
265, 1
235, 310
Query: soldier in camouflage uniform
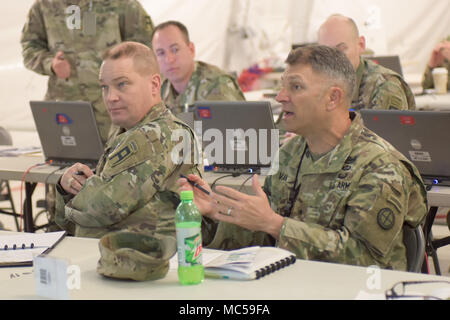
440, 57
133, 187
342, 194
187, 80
376, 87
60, 41
51, 35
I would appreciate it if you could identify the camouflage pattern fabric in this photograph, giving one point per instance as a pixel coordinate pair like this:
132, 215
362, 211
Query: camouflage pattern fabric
46, 32
427, 80
135, 256
208, 83
348, 206
134, 187
381, 88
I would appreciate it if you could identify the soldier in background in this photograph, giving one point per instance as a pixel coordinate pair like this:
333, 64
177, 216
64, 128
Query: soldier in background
134, 186
187, 80
440, 57
376, 87
342, 194
65, 40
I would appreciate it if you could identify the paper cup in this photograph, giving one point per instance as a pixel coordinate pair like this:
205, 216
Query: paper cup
440, 78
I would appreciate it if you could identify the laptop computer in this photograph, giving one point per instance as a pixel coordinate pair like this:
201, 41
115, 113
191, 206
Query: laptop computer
68, 132
390, 62
237, 136
419, 135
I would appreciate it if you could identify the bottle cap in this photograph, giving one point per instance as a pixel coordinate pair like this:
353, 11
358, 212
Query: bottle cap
187, 195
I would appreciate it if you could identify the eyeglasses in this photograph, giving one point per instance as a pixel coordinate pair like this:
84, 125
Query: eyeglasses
398, 290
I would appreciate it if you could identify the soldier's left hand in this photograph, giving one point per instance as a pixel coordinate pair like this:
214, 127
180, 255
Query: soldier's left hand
250, 212
74, 178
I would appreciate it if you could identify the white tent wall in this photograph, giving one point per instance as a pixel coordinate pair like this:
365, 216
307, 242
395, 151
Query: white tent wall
235, 34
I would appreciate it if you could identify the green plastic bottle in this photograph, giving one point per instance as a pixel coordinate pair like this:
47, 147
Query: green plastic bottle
188, 222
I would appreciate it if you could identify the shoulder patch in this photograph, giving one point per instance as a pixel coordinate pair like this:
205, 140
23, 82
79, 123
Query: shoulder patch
124, 153
386, 218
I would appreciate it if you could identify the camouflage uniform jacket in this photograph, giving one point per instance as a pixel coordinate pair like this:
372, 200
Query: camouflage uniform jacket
134, 187
347, 207
427, 81
46, 32
207, 83
381, 88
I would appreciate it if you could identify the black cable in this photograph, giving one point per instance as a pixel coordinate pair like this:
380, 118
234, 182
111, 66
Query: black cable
245, 181
222, 177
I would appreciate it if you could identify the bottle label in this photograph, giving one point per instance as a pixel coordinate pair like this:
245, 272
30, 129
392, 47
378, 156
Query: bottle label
189, 246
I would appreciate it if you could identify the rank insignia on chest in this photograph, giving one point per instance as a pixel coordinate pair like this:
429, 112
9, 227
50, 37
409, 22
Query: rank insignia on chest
124, 153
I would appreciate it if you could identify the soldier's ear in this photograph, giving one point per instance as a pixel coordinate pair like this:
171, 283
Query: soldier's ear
361, 44
156, 84
335, 97
192, 48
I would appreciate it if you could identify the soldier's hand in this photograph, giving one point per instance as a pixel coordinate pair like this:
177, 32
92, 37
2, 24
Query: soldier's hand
440, 52
61, 66
203, 201
75, 177
250, 212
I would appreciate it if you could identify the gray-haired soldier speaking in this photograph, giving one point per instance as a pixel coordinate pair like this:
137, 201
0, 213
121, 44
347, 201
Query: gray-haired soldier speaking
342, 194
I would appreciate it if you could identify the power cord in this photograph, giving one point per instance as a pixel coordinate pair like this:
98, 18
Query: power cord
21, 189
245, 181
222, 177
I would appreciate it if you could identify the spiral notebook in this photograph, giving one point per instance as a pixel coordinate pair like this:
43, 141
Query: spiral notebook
246, 264
18, 249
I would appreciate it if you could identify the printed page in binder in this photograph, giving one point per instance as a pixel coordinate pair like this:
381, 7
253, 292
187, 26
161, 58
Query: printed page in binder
246, 264
19, 248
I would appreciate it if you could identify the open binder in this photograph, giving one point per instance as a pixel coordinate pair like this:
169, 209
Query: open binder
246, 264
18, 249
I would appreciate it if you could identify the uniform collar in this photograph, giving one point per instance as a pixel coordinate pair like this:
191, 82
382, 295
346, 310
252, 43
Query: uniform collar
174, 92
359, 75
334, 160
155, 112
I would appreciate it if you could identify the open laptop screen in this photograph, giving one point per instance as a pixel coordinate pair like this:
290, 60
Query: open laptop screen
236, 135
420, 135
67, 131
390, 62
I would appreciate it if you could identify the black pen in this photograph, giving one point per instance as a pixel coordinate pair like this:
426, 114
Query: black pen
195, 184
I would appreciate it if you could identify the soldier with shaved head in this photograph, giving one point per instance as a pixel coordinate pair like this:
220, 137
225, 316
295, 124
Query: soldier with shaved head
376, 87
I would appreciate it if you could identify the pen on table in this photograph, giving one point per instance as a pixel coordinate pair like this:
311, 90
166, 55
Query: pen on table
194, 184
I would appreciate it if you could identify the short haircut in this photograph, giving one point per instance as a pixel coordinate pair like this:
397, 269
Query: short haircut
184, 31
326, 61
144, 59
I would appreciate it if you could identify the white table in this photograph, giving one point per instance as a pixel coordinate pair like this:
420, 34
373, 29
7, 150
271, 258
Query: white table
14, 168
438, 102
303, 280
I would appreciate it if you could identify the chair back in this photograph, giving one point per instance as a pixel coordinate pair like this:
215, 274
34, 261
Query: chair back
414, 241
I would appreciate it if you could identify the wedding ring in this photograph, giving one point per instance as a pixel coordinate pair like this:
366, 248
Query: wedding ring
69, 181
229, 211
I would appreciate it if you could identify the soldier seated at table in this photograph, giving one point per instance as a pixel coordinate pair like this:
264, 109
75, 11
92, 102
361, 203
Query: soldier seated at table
340, 193
376, 87
187, 80
133, 187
